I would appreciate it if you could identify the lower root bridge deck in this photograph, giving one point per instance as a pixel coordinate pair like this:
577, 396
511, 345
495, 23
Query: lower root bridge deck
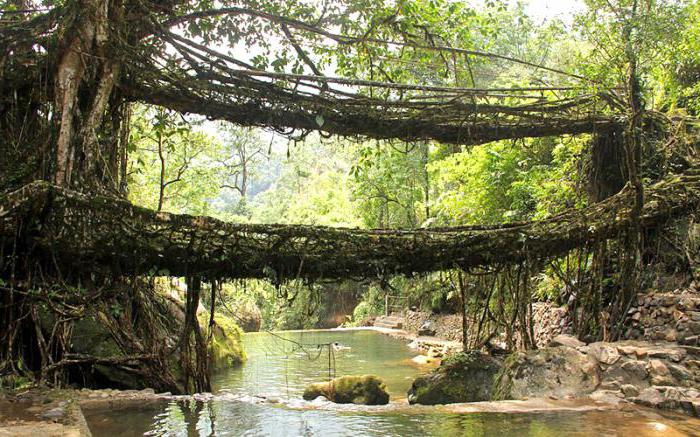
110, 235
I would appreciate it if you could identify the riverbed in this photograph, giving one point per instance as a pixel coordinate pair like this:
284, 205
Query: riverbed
263, 398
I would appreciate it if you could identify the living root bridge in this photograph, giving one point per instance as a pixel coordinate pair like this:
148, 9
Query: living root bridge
103, 234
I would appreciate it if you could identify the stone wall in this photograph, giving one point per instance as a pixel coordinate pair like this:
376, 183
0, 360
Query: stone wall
668, 316
447, 326
653, 316
549, 321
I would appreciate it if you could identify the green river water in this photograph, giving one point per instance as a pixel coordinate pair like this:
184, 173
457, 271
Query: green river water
263, 398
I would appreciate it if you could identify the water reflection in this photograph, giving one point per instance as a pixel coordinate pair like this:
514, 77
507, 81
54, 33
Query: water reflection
277, 368
231, 418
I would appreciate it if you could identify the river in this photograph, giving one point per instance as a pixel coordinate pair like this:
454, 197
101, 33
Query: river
263, 398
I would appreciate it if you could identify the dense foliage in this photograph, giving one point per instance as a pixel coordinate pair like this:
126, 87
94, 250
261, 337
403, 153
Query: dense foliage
376, 184
391, 115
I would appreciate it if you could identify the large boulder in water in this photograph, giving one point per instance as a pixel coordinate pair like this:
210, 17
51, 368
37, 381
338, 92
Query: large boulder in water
362, 390
463, 377
557, 372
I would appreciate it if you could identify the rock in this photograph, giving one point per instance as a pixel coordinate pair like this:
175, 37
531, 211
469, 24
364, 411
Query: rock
629, 390
660, 375
672, 393
695, 364
604, 353
680, 373
559, 372
627, 349
248, 316
434, 352
361, 390
566, 340
667, 353
658, 368
649, 397
693, 327
427, 328
606, 396
689, 408
423, 359
691, 340
54, 413
692, 393
635, 368
462, 377
611, 385
226, 348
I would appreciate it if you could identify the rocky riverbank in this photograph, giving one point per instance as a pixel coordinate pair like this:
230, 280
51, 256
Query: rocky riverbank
656, 374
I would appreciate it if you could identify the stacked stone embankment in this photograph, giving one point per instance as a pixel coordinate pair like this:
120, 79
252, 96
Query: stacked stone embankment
668, 316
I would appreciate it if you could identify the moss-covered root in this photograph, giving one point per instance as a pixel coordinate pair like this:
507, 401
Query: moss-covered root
362, 390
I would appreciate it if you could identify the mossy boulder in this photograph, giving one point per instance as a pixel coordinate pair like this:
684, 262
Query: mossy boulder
559, 372
226, 347
462, 377
361, 390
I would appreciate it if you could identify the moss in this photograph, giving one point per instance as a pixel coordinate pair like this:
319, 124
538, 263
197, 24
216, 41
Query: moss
226, 347
363, 390
15, 382
91, 338
462, 377
502, 381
